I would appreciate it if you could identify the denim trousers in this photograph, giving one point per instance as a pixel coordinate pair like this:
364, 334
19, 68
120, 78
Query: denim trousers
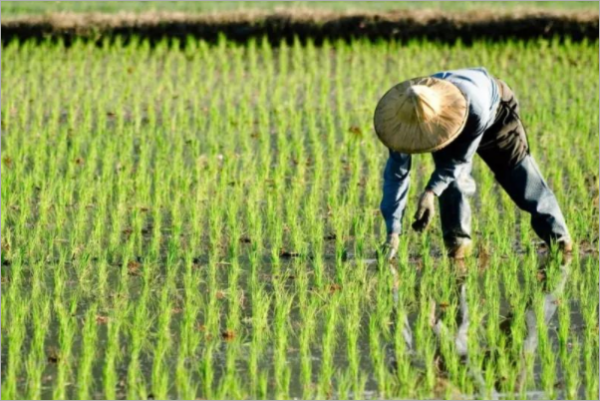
504, 148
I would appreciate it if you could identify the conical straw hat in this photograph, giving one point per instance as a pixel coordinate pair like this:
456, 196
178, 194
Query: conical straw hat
420, 115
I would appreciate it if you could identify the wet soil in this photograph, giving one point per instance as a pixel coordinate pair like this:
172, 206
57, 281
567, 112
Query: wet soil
304, 25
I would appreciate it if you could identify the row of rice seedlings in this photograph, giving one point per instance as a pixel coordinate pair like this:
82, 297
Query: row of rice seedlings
590, 334
112, 357
306, 339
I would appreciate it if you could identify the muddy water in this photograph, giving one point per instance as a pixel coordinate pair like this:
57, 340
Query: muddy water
297, 388
552, 296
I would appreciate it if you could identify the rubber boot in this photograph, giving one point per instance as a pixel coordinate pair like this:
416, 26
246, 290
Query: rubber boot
459, 248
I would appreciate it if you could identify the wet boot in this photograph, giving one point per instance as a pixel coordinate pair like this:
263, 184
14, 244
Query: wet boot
459, 248
565, 246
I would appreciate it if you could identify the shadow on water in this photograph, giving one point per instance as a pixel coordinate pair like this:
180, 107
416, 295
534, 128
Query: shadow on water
552, 293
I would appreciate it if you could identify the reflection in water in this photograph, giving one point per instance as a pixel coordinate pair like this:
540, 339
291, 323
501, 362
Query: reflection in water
460, 339
550, 306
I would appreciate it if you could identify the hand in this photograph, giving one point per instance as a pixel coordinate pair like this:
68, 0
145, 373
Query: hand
391, 246
425, 211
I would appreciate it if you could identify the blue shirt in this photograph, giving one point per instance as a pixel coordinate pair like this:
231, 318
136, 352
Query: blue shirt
451, 162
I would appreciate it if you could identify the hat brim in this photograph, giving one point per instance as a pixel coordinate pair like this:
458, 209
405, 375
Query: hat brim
410, 137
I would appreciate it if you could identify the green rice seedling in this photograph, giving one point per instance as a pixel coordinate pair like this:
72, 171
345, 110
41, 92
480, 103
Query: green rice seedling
261, 302
403, 348
34, 363
190, 336
112, 354
85, 378
572, 378
62, 355
15, 330
138, 332
590, 316
343, 386
206, 370
352, 322
547, 357
282, 304
160, 376
264, 382
328, 345
377, 357
306, 337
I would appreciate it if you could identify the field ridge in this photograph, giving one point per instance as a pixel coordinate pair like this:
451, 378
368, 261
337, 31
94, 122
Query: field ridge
306, 24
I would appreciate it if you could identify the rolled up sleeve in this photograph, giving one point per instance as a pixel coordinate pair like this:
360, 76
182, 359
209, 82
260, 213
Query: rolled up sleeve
482, 94
396, 182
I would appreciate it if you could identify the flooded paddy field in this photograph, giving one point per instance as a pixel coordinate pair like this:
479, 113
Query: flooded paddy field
202, 222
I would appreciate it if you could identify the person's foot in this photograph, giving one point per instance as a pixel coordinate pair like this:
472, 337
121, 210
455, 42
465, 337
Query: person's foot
565, 246
459, 249
390, 248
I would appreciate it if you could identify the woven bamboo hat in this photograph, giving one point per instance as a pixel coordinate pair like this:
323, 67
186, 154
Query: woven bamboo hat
420, 115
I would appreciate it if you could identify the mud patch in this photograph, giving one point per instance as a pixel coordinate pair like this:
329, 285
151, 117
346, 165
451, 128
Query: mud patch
304, 25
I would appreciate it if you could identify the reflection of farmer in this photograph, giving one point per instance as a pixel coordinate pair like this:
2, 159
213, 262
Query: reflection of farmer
461, 337
453, 115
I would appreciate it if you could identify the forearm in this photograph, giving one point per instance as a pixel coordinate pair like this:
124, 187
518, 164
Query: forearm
396, 182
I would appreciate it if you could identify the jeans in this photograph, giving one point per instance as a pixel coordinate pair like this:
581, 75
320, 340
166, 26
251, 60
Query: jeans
505, 150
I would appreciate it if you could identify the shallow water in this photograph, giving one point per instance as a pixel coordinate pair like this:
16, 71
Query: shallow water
241, 350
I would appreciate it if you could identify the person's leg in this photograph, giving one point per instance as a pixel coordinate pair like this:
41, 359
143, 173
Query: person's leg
455, 214
505, 150
528, 189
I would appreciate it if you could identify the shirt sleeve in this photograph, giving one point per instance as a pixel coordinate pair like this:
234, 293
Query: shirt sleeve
452, 161
396, 181
455, 159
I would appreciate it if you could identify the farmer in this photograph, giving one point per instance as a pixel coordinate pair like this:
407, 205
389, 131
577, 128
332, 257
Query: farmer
453, 115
